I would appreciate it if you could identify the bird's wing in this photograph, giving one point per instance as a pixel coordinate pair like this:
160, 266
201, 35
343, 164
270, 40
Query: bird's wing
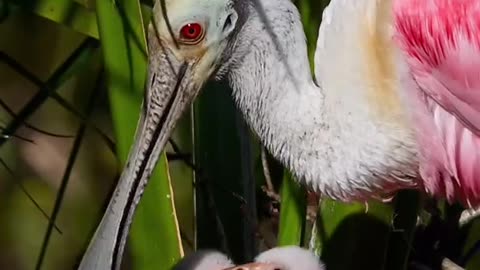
441, 39
356, 70
355, 56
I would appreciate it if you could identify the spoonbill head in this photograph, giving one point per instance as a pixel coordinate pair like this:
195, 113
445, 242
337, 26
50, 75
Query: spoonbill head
186, 46
184, 51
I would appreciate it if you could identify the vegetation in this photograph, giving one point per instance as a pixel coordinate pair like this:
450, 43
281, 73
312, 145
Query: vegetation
72, 74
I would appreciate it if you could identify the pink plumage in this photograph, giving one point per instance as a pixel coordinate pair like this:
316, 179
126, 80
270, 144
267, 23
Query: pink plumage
441, 42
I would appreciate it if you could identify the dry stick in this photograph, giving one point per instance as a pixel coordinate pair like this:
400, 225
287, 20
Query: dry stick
66, 176
269, 189
22, 187
7, 136
266, 170
44, 86
178, 155
68, 107
255, 227
30, 126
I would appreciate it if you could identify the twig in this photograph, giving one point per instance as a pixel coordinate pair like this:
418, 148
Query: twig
30, 126
269, 189
7, 136
29, 196
47, 90
186, 158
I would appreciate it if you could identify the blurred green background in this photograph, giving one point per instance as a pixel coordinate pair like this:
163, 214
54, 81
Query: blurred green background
77, 68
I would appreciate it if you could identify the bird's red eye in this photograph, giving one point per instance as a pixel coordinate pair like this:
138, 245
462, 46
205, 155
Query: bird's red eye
191, 33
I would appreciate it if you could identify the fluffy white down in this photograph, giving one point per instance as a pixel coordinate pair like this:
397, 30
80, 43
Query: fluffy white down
291, 258
204, 260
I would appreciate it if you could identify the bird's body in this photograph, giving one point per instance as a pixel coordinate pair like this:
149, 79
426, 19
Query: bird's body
441, 43
394, 104
348, 137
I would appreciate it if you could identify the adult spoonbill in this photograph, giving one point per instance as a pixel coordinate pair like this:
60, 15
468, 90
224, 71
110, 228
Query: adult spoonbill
279, 258
395, 98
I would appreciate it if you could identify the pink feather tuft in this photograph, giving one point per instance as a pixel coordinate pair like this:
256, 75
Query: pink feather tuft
441, 42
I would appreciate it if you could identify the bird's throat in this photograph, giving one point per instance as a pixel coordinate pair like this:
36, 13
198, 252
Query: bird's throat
275, 90
325, 136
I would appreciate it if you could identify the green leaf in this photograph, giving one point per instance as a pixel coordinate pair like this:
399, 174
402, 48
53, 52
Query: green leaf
225, 186
66, 12
373, 236
155, 237
65, 180
69, 13
74, 63
350, 231
122, 36
292, 212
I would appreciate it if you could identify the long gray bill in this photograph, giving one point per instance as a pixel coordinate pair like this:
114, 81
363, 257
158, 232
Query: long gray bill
169, 93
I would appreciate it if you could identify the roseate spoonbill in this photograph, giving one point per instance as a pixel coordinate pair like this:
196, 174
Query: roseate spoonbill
440, 40
394, 98
279, 258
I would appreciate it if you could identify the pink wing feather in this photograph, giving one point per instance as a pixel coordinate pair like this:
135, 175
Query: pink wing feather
441, 42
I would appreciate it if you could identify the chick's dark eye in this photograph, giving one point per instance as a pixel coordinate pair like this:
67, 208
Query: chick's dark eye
191, 33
